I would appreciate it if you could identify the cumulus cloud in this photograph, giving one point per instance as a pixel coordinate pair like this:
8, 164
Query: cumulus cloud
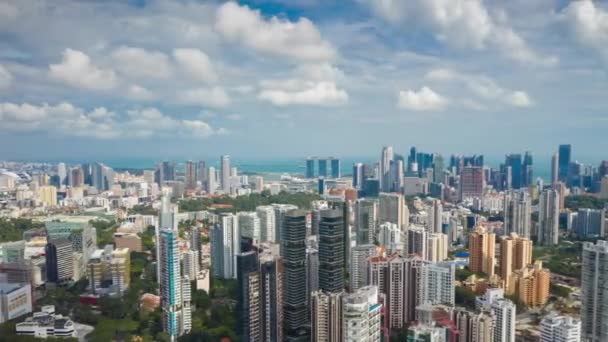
481, 86
196, 63
5, 77
310, 93
67, 119
138, 62
77, 70
423, 100
139, 93
215, 97
589, 23
300, 40
460, 23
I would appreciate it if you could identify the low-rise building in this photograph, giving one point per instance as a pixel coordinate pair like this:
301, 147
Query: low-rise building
46, 323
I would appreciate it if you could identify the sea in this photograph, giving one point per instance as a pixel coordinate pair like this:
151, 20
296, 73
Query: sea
274, 168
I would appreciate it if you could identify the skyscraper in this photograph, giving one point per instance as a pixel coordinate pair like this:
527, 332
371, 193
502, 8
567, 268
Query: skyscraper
271, 270
514, 161
310, 167
435, 223
385, 168
517, 213
280, 210
172, 301
438, 168
335, 168
362, 316
358, 176
366, 211
474, 327
225, 174
191, 175
202, 175
331, 256
548, 217
527, 170
594, 294
62, 174
554, 168
267, 223
323, 169
249, 303
471, 182
293, 248
564, 156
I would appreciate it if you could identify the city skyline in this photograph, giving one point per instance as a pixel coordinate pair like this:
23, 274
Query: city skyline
343, 72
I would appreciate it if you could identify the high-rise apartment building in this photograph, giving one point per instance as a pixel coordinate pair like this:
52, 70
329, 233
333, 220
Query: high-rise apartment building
548, 217
517, 213
190, 264
435, 213
418, 241
362, 316
531, 284
474, 327
504, 317
590, 223
392, 238
326, 316
225, 246
594, 294
437, 249
436, 284
202, 176
359, 265
266, 216
481, 251
176, 320
515, 254
280, 210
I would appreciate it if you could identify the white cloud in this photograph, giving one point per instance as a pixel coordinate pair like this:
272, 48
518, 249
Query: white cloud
64, 118
138, 62
589, 22
77, 70
311, 93
482, 86
196, 63
519, 99
139, 93
423, 100
5, 77
460, 23
300, 40
214, 97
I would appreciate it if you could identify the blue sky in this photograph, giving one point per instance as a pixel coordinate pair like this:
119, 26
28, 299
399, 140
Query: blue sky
263, 79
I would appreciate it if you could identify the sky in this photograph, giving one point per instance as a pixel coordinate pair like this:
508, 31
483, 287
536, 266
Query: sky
290, 78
